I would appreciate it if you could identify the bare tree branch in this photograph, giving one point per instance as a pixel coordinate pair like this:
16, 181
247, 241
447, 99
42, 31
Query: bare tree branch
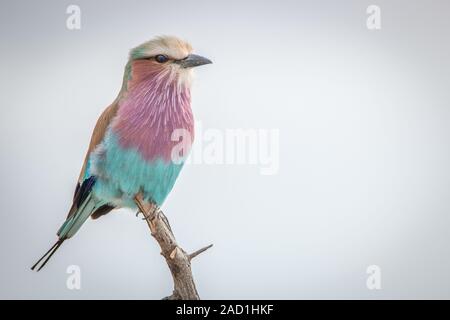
177, 259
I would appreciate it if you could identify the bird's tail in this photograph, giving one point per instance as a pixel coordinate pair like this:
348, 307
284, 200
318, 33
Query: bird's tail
48, 255
71, 226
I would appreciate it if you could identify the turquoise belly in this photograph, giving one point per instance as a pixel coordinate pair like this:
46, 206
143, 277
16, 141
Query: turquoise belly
122, 173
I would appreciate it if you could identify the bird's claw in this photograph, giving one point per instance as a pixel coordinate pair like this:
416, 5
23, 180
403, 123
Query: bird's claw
159, 214
144, 218
155, 214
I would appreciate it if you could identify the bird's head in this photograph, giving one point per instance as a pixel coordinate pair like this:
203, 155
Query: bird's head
167, 57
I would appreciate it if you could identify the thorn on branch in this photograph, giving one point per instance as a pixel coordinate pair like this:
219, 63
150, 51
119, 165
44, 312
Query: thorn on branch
196, 253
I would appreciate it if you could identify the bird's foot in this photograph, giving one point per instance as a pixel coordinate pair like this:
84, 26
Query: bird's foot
155, 213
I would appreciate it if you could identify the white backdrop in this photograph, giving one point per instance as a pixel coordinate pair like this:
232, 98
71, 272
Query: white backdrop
363, 119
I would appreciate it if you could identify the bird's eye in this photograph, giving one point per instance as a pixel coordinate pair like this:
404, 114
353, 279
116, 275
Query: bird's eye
161, 58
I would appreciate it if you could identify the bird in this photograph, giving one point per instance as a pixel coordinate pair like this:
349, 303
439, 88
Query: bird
133, 150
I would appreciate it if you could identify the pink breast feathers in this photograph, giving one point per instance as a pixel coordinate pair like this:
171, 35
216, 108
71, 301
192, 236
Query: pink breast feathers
155, 105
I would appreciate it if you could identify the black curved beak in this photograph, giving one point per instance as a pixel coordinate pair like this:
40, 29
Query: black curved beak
193, 60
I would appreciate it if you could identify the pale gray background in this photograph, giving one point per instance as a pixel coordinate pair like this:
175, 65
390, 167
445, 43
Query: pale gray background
364, 148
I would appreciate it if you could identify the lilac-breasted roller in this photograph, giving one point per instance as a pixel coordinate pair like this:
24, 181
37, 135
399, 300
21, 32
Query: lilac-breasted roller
132, 147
